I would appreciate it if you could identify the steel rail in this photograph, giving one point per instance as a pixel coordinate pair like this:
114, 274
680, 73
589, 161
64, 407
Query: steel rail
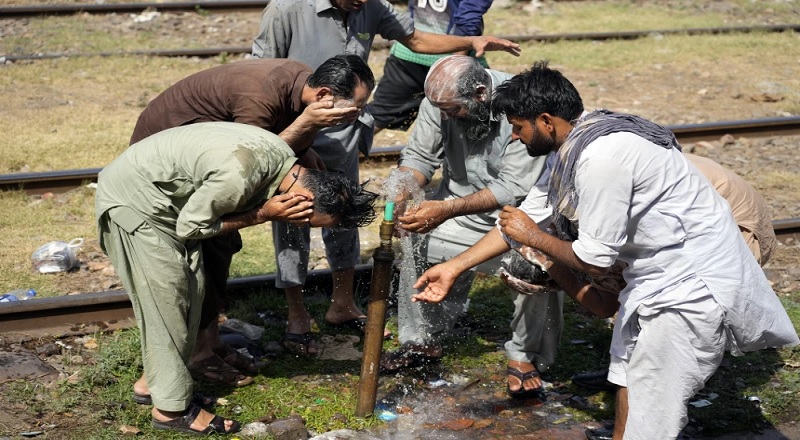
61, 181
380, 44
110, 8
209, 5
103, 311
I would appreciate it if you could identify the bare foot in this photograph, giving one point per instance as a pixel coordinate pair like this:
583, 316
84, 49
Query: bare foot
140, 387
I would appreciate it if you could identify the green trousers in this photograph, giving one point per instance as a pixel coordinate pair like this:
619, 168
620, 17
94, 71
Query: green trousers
164, 280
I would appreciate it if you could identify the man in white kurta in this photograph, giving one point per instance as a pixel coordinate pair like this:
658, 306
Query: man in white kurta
622, 190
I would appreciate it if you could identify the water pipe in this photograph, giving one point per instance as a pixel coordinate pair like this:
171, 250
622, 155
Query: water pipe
383, 260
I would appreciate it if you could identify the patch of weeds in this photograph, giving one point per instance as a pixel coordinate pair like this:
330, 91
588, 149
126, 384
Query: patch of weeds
28, 394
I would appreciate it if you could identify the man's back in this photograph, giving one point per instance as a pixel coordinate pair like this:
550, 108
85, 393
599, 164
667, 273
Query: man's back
750, 210
312, 31
174, 176
264, 93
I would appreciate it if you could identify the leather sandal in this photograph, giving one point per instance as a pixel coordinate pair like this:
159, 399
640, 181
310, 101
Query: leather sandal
184, 424
522, 393
238, 360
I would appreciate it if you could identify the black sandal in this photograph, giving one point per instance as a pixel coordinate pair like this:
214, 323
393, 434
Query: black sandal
522, 393
198, 399
184, 424
240, 361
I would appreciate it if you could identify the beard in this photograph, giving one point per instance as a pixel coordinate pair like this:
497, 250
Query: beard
540, 145
477, 124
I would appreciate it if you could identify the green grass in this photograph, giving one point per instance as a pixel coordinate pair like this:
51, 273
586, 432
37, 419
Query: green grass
324, 392
640, 55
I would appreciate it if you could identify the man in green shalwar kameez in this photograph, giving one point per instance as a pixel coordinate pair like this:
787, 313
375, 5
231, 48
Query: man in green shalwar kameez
161, 196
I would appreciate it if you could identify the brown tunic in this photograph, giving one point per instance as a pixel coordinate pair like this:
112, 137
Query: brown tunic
265, 93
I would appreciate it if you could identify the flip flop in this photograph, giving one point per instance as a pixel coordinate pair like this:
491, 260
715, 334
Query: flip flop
184, 424
522, 393
198, 399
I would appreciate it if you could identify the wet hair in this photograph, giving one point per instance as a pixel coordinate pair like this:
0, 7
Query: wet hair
536, 91
342, 74
343, 199
455, 78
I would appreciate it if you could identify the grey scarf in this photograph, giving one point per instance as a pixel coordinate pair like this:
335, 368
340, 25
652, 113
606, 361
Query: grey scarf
562, 195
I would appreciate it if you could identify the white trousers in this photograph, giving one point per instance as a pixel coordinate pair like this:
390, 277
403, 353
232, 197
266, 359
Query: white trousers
676, 352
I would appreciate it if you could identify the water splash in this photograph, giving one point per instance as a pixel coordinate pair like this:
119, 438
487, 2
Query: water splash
402, 187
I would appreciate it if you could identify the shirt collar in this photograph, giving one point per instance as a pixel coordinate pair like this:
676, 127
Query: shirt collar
324, 5
297, 91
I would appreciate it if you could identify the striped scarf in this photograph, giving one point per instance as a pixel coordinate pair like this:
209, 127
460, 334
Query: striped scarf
562, 195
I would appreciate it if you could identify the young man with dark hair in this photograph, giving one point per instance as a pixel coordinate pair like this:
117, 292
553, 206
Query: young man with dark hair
621, 191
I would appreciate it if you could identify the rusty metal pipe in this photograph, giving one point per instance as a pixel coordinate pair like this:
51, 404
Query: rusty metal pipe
376, 316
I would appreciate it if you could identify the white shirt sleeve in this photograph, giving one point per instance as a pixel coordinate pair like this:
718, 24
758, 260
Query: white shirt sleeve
605, 190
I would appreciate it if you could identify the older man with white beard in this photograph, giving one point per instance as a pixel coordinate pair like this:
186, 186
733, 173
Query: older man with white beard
483, 169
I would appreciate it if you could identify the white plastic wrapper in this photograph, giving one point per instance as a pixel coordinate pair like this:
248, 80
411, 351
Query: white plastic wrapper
56, 256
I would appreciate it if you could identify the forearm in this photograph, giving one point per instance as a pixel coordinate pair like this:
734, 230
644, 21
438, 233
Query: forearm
481, 201
561, 252
299, 134
235, 222
418, 177
601, 303
424, 42
489, 246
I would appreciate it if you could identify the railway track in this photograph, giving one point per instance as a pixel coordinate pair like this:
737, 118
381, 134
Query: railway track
111, 8
103, 311
381, 44
61, 181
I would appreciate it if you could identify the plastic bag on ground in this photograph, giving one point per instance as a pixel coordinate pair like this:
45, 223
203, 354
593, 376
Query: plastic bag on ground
56, 256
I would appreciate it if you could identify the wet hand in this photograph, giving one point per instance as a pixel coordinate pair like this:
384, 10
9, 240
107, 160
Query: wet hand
437, 282
487, 43
517, 225
291, 208
324, 114
424, 217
